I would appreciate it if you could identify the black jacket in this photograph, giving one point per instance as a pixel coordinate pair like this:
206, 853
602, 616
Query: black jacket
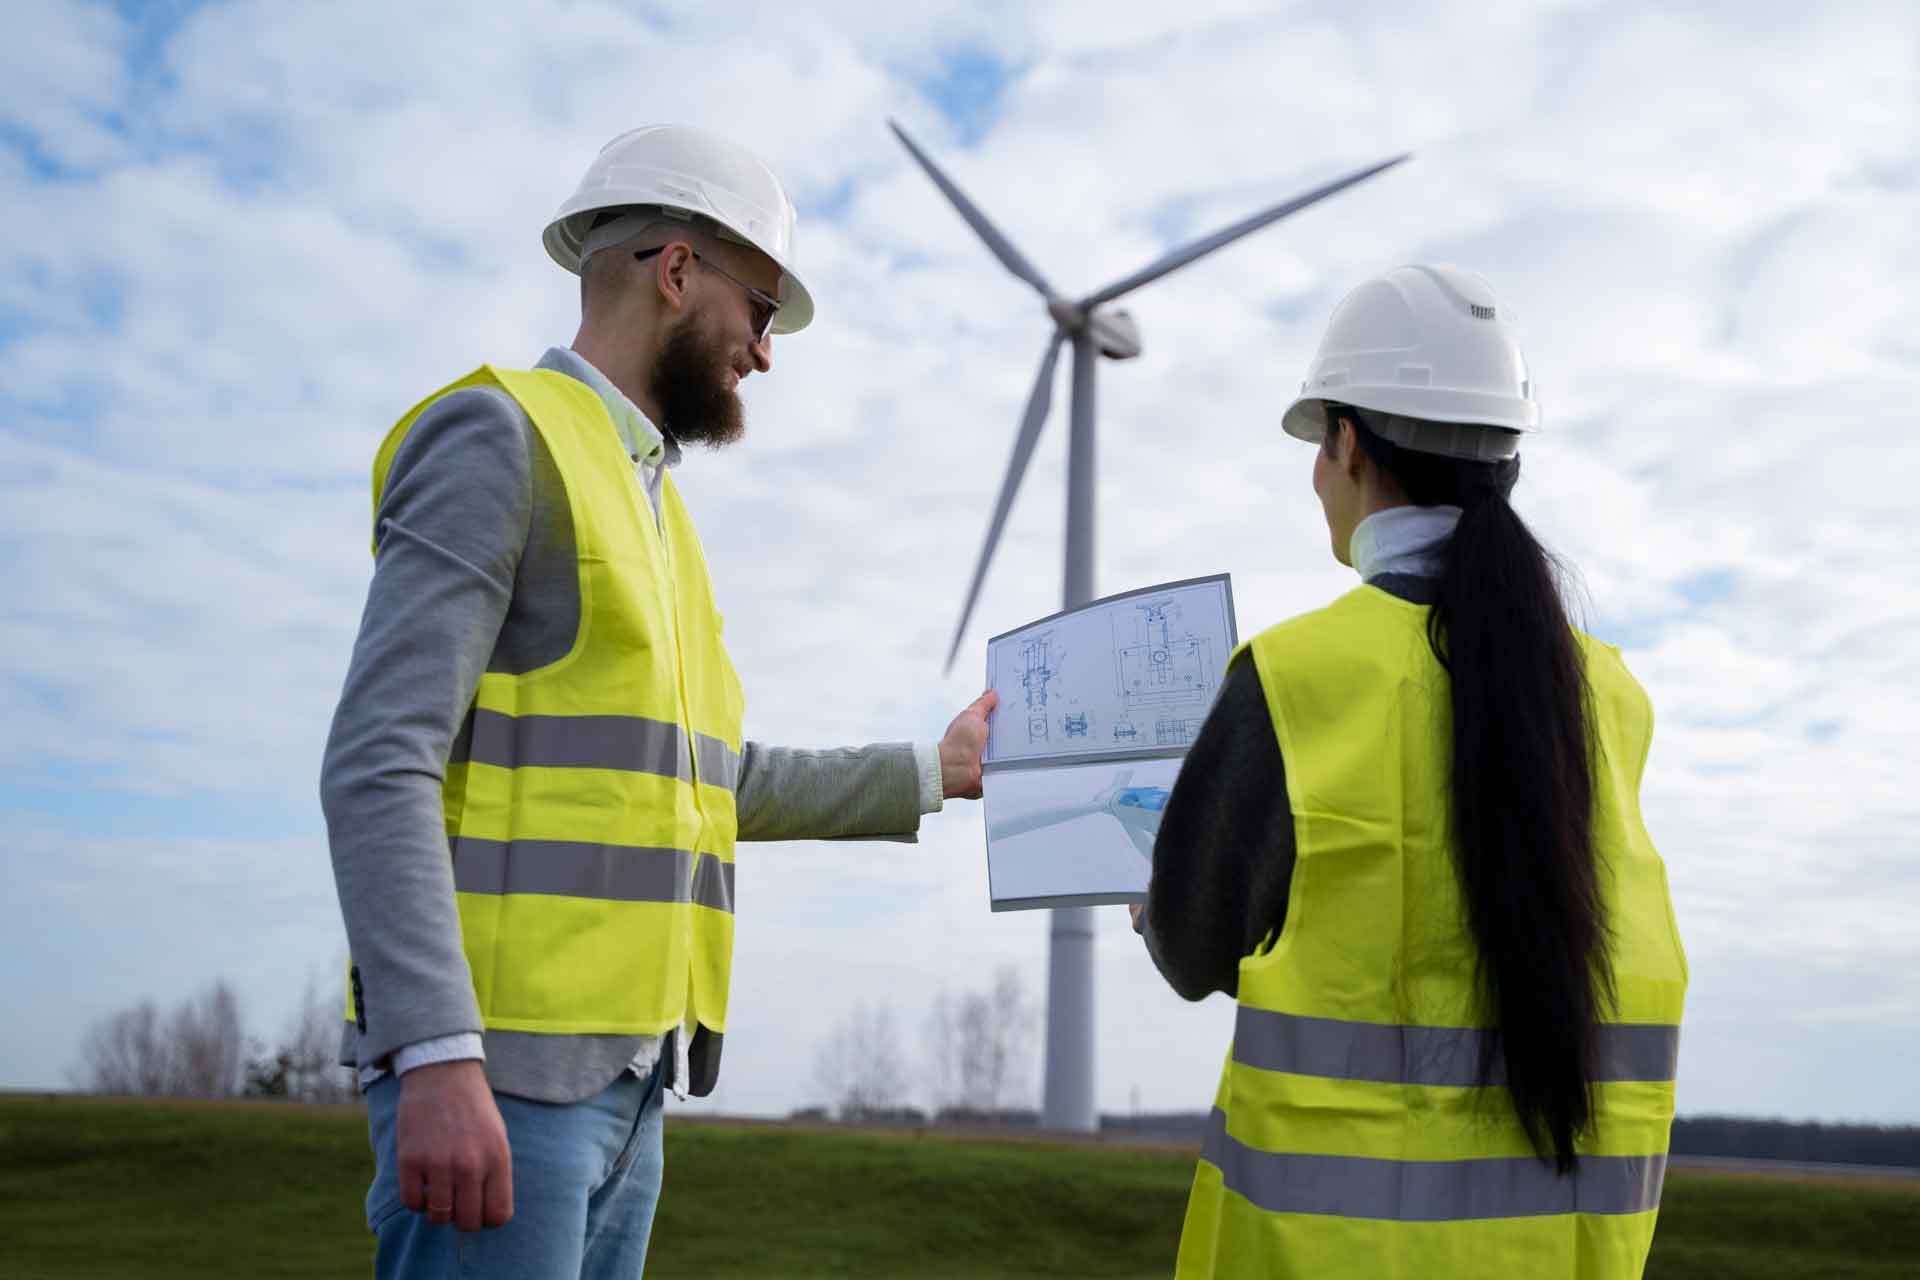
1223, 862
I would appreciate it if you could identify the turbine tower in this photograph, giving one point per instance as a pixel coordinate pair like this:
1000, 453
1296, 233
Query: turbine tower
1095, 329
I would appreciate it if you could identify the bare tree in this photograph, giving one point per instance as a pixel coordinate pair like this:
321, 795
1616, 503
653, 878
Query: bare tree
197, 1051
1014, 1019
304, 1066
861, 1068
978, 1045
941, 1047
210, 1043
125, 1053
312, 1046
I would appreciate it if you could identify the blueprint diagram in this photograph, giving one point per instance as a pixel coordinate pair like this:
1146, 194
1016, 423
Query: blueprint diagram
1098, 706
1129, 676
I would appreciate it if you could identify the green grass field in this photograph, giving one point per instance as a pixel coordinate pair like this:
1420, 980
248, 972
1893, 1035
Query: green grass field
101, 1188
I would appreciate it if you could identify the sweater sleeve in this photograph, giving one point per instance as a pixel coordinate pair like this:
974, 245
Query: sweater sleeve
787, 793
1223, 861
449, 532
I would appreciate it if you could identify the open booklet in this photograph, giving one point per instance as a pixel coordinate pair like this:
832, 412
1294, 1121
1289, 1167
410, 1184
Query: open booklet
1097, 708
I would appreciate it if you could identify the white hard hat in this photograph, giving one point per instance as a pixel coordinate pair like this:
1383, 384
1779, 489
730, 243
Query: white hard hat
1423, 345
677, 168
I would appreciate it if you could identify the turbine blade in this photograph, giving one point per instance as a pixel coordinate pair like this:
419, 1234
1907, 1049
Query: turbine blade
1002, 247
1025, 822
1219, 239
1036, 417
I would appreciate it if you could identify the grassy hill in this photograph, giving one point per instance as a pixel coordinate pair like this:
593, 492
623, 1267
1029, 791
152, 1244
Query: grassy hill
106, 1188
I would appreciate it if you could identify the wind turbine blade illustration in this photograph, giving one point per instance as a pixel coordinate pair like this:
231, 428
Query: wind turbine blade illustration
1049, 817
1219, 239
1020, 824
1037, 405
1002, 247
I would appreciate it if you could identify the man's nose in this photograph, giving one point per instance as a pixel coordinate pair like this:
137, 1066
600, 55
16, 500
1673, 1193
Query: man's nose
762, 352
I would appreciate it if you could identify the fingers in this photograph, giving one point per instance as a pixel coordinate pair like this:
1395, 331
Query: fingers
986, 702
455, 1167
482, 1180
499, 1194
413, 1182
436, 1189
469, 1196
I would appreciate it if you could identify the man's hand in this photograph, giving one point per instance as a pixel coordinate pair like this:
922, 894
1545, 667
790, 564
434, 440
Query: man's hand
452, 1145
960, 749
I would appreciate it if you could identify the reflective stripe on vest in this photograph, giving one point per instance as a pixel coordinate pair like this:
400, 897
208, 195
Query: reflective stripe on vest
1339, 1050
1355, 1133
589, 803
1429, 1190
632, 743
612, 872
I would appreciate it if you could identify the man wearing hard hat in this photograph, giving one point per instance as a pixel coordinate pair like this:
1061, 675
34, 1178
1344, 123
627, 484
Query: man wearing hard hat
540, 690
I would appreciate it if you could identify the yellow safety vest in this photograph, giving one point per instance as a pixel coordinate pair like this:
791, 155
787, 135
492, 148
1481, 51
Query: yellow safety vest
1351, 1136
589, 803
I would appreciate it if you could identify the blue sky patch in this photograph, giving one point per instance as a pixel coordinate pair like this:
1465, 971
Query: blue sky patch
39, 164
1820, 732
152, 23
967, 90
1709, 587
85, 802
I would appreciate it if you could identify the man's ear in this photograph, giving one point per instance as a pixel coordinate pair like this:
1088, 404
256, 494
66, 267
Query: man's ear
670, 272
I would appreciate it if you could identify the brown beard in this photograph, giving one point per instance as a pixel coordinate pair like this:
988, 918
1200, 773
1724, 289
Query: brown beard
690, 385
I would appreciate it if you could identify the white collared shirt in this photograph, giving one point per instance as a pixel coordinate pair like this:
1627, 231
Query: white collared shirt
1410, 540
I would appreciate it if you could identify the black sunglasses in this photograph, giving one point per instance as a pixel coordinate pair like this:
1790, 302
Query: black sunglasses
765, 306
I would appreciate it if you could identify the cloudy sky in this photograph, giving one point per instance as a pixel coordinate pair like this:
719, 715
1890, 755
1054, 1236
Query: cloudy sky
242, 238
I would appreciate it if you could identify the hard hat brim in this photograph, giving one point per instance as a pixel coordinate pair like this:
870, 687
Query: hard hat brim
563, 237
1306, 418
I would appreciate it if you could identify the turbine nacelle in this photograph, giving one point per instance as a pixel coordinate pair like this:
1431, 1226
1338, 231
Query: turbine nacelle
1115, 333
1110, 331
1113, 330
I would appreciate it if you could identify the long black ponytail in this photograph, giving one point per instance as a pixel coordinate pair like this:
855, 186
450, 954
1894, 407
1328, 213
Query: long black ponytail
1522, 790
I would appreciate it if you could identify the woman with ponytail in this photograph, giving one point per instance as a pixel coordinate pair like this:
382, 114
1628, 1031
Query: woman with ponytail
1408, 842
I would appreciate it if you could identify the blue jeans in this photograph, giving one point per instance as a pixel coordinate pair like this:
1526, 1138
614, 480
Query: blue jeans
586, 1177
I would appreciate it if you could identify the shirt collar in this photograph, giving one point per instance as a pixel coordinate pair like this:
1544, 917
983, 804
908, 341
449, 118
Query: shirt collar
1408, 540
638, 436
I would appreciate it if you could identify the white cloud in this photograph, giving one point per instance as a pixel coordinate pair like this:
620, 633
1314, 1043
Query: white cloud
57, 87
226, 274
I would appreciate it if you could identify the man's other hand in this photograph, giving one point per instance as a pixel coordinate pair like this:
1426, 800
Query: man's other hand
454, 1162
960, 749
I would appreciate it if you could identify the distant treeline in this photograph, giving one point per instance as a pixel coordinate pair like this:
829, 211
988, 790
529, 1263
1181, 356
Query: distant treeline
1739, 1136
1794, 1140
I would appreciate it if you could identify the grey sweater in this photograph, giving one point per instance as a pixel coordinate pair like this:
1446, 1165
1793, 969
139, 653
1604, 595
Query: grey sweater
474, 571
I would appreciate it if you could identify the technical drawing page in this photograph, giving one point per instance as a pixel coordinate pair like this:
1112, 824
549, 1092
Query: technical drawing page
1129, 675
1074, 834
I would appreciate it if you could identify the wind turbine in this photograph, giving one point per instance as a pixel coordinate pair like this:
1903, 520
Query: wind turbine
1095, 329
